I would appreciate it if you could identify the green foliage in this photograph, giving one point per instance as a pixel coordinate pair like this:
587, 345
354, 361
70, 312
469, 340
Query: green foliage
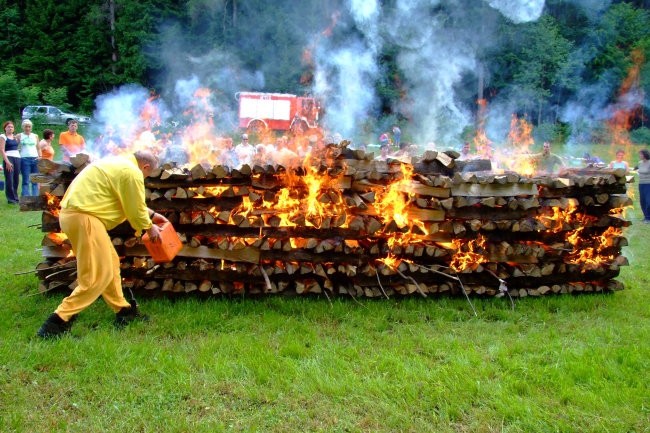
551, 132
57, 96
641, 136
10, 40
10, 95
537, 56
31, 95
622, 29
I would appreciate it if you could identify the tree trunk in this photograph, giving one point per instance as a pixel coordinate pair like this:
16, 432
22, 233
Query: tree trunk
111, 23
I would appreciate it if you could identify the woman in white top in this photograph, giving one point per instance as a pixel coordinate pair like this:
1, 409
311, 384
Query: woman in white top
29, 154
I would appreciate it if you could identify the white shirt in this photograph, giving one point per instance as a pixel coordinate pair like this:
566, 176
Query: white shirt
28, 144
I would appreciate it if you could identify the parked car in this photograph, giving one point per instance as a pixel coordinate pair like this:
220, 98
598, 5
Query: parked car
51, 115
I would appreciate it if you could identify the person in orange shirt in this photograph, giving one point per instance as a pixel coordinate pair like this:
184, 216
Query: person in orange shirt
70, 141
45, 149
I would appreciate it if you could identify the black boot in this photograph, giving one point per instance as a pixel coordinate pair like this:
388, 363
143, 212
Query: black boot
129, 314
55, 326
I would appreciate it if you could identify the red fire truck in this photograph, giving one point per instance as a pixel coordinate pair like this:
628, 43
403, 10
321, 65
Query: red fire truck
277, 112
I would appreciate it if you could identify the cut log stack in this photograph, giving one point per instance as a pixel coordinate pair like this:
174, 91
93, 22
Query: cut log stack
359, 227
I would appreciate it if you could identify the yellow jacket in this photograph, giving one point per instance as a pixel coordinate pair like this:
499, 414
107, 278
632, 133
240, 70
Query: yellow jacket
112, 190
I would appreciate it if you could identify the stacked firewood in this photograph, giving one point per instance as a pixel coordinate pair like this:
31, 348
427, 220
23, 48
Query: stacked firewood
351, 225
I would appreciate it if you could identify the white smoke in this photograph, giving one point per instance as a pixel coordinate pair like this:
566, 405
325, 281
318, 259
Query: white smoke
345, 75
366, 16
519, 11
344, 83
432, 104
121, 106
438, 41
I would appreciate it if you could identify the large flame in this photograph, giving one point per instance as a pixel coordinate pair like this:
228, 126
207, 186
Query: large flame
588, 250
519, 141
591, 251
561, 219
323, 199
629, 104
481, 141
392, 202
520, 135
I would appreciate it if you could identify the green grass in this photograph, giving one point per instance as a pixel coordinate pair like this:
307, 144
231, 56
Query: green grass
554, 364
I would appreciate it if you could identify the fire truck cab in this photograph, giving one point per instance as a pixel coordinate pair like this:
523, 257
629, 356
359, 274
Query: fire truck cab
278, 112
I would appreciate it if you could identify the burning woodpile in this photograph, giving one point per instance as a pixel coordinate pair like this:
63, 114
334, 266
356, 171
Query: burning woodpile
351, 225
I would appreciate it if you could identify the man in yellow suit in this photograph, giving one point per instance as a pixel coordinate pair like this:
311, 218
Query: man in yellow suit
102, 196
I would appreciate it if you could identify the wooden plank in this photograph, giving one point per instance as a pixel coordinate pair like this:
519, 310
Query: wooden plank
364, 165
426, 214
418, 188
493, 189
246, 255
32, 203
46, 166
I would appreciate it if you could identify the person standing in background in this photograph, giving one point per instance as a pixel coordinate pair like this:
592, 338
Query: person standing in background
397, 136
29, 154
11, 161
643, 168
245, 151
384, 153
465, 152
45, 149
71, 142
619, 162
547, 162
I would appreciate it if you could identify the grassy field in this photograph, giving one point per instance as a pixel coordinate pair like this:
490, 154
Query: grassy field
553, 364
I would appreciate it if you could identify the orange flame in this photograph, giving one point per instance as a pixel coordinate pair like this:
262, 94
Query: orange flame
471, 257
519, 140
317, 206
244, 209
556, 222
57, 238
287, 206
524, 165
52, 204
520, 135
621, 121
481, 142
390, 261
323, 198
594, 256
392, 203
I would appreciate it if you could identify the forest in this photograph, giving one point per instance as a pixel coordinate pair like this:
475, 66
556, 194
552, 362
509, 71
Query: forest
570, 68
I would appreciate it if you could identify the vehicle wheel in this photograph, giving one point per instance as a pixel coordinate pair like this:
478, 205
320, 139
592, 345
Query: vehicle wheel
256, 127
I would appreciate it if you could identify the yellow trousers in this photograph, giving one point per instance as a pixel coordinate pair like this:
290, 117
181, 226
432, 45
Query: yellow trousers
98, 266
